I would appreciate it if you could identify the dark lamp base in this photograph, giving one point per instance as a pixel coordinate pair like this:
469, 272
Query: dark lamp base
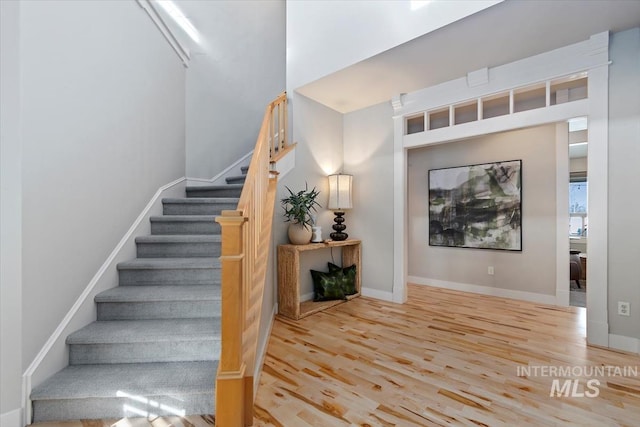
339, 227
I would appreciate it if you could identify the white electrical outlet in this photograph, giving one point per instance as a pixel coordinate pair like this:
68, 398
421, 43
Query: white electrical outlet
490, 270
624, 308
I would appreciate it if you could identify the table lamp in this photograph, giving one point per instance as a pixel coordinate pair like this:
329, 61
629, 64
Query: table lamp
339, 201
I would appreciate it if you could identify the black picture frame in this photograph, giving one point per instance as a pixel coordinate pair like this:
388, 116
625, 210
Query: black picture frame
476, 206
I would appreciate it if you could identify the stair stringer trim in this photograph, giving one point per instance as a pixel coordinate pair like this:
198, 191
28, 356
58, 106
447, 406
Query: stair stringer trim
219, 179
54, 354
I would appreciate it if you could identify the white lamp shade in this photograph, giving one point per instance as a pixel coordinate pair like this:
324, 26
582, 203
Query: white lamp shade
340, 192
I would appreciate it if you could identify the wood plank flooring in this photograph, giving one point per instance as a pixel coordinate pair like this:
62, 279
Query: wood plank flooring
444, 358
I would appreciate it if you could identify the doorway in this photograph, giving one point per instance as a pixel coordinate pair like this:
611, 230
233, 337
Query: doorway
578, 210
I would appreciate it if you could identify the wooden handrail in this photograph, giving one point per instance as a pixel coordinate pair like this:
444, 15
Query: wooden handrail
246, 238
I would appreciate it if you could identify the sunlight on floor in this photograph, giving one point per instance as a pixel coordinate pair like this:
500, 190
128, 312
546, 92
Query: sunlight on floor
132, 410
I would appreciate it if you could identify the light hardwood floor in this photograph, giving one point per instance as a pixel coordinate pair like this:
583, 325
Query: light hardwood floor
444, 358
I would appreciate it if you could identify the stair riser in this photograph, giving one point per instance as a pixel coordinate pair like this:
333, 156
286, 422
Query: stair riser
178, 250
157, 310
164, 351
185, 276
123, 407
174, 228
219, 192
197, 208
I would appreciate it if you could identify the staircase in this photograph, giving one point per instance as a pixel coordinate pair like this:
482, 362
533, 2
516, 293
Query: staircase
155, 346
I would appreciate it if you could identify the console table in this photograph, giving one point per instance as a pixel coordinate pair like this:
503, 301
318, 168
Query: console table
289, 304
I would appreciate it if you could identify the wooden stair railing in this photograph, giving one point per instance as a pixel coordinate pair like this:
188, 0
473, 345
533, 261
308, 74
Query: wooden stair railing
246, 239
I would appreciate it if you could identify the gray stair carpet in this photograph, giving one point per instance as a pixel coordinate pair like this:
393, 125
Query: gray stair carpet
238, 179
155, 345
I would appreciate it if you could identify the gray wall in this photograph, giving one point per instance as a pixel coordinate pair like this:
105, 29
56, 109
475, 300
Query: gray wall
319, 153
533, 269
624, 175
103, 128
232, 76
368, 155
10, 214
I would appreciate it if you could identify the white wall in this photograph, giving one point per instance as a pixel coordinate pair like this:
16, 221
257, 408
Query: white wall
103, 128
10, 217
232, 76
624, 175
319, 153
532, 270
368, 155
327, 36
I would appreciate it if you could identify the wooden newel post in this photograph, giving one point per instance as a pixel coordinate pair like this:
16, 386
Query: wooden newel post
230, 404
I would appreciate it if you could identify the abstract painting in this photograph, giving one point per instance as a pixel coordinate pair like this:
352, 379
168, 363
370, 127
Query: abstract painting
477, 206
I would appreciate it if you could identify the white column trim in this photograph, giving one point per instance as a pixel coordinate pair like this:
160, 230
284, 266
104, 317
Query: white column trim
598, 167
400, 239
562, 213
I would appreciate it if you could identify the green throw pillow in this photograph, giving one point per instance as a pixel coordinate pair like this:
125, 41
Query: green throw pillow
327, 286
348, 279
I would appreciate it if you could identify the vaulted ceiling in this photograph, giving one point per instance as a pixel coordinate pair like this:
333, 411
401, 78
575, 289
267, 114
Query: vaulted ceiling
503, 33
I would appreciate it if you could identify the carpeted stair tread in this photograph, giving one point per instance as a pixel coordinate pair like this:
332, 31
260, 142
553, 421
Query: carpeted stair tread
202, 200
228, 190
160, 293
138, 331
137, 379
183, 218
235, 179
244, 169
169, 263
214, 187
180, 238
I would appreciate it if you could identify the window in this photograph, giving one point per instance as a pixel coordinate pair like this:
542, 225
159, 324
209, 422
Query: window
578, 205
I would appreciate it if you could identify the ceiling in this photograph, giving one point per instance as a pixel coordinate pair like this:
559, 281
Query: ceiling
506, 32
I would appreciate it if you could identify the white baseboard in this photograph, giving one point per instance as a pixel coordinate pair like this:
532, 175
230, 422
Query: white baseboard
484, 290
620, 342
597, 332
219, 179
563, 297
12, 418
55, 348
262, 351
377, 294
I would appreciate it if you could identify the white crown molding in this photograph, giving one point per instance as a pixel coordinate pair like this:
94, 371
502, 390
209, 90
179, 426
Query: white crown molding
396, 103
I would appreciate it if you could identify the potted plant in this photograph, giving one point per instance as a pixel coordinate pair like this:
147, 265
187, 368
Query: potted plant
297, 210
